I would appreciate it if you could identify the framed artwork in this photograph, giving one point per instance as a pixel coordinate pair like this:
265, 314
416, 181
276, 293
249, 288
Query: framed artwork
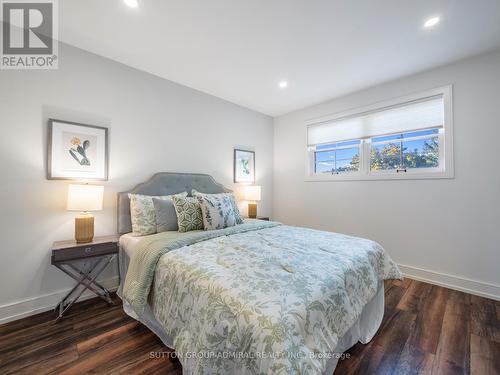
77, 151
244, 166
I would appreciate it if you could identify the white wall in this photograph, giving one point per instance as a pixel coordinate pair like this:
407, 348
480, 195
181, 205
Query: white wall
450, 227
155, 125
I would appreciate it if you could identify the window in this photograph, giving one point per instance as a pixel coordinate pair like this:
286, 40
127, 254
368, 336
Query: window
405, 151
406, 138
337, 158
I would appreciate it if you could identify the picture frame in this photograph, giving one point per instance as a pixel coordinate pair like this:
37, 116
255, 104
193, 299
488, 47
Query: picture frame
77, 151
244, 166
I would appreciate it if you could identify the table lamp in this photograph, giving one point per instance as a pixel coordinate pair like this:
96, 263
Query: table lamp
84, 198
252, 195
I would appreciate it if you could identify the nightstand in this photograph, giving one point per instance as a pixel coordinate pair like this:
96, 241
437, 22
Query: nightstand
68, 256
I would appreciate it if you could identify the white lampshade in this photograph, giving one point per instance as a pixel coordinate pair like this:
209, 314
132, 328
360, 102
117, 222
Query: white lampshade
85, 197
252, 193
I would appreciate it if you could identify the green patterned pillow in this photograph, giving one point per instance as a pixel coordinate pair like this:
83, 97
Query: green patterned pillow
188, 212
236, 211
143, 214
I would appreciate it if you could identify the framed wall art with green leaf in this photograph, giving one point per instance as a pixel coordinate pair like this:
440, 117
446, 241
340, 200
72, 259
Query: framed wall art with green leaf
244, 166
77, 151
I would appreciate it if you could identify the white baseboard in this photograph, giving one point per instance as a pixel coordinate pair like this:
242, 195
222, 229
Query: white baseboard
46, 302
461, 284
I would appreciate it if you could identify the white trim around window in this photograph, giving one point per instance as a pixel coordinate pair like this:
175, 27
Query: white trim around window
443, 135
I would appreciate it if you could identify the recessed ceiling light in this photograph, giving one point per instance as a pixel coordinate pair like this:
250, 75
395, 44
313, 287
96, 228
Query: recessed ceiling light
131, 3
283, 84
433, 21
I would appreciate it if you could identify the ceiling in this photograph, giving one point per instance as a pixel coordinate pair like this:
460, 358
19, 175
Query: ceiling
239, 50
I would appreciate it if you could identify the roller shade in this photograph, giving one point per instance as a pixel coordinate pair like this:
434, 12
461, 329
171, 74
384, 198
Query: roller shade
416, 115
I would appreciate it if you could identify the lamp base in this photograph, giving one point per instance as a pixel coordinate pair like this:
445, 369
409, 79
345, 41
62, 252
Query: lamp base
252, 210
84, 228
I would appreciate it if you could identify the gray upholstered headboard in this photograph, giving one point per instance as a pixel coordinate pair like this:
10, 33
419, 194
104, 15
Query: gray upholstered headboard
165, 183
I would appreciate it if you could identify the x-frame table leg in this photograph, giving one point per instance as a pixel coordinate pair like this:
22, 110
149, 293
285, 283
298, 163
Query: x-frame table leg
84, 279
95, 286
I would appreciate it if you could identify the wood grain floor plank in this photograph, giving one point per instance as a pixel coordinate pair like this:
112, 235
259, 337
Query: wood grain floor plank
54, 363
143, 363
376, 361
394, 334
44, 363
351, 363
56, 340
104, 338
485, 356
484, 320
445, 367
414, 361
427, 329
414, 297
454, 342
24, 337
393, 294
405, 283
95, 305
94, 359
137, 358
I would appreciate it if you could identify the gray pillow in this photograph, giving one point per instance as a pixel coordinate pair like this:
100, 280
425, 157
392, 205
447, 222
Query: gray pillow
166, 218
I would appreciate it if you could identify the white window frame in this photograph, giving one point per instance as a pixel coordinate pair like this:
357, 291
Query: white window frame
446, 169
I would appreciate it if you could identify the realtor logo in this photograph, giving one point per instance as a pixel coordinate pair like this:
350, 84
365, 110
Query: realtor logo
29, 34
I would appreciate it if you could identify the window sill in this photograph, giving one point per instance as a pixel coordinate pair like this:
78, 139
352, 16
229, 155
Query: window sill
380, 176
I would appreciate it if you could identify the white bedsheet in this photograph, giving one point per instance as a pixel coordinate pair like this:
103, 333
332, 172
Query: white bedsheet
128, 241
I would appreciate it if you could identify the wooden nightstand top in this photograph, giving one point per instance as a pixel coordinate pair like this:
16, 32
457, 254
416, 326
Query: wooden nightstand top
71, 250
97, 240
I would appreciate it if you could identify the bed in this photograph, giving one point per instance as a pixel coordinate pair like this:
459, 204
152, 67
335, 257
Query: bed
257, 298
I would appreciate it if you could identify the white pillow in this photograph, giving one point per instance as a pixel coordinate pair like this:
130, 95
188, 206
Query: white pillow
143, 214
217, 211
237, 214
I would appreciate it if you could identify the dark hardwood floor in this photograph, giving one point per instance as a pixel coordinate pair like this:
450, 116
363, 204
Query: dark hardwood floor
426, 330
